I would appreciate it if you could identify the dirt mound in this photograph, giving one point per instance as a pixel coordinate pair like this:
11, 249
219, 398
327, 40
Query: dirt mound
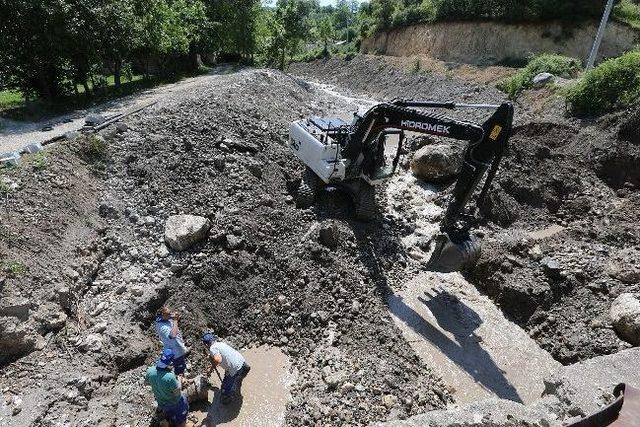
218, 150
565, 199
548, 269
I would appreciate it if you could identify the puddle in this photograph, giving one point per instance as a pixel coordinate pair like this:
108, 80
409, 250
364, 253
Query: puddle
265, 393
465, 338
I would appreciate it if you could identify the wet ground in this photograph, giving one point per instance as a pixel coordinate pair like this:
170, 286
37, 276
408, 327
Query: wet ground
264, 398
468, 341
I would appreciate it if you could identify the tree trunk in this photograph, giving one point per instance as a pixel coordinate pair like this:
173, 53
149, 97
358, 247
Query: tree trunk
282, 58
117, 73
87, 91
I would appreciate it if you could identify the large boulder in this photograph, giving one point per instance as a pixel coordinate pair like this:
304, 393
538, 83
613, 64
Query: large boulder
625, 316
183, 231
542, 79
437, 162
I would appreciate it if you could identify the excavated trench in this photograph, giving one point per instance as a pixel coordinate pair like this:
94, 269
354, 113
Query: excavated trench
348, 333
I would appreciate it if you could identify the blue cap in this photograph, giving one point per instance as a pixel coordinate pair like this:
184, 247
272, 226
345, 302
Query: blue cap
208, 338
166, 359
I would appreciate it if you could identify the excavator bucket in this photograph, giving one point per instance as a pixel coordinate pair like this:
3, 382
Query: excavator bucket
453, 255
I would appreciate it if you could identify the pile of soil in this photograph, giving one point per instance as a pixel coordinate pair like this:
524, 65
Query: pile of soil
562, 218
219, 150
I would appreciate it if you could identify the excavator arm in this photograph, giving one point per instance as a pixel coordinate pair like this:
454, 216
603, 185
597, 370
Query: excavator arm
454, 249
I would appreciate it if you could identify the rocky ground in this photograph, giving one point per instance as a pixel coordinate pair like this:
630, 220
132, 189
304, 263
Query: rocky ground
85, 264
561, 237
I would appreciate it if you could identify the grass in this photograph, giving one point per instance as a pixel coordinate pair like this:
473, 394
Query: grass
93, 148
611, 86
557, 65
10, 99
628, 12
13, 105
40, 161
15, 268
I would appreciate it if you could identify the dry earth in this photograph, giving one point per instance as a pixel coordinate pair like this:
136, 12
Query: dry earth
85, 265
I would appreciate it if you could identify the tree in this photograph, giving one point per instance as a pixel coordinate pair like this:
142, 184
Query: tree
287, 28
325, 31
33, 40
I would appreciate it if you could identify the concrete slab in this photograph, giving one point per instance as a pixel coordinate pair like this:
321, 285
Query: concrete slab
265, 393
468, 341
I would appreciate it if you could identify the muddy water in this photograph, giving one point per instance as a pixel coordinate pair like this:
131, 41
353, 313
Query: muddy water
468, 341
452, 327
265, 393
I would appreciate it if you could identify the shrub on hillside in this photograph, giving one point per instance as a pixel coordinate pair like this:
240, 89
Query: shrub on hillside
557, 65
612, 85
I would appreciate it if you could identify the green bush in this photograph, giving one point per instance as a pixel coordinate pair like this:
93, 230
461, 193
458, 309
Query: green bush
628, 12
612, 85
93, 148
558, 65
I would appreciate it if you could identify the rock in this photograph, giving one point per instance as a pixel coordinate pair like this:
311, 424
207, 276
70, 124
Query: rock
35, 147
347, 387
17, 338
333, 380
17, 405
234, 242
551, 267
536, 253
329, 234
437, 162
625, 316
15, 307
183, 231
106, 210
624, 266
162, 251
389, 400
94, 119
542, 79
121, 127
92, 342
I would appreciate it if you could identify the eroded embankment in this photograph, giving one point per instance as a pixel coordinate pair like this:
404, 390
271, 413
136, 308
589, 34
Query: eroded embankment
494, 42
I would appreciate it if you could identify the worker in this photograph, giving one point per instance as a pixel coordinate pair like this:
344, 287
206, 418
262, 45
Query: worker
167, 329
234, 364
167, 389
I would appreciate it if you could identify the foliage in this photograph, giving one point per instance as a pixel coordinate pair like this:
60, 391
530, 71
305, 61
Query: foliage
287, 28
557, 65
15, 268
93, 148
628, 11
612, 85
40, 161
50, 48
382, 15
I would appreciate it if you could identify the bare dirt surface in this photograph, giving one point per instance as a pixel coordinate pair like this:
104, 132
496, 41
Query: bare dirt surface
218, 150
85, 266
559, 171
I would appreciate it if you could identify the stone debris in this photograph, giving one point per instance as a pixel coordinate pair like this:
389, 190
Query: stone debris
183, 231
542, 79
625, 317
95, 119
436, 163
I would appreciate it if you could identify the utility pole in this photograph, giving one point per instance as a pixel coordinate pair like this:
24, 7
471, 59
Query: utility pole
603, 26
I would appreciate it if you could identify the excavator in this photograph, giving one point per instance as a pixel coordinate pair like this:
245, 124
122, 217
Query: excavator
354, 157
